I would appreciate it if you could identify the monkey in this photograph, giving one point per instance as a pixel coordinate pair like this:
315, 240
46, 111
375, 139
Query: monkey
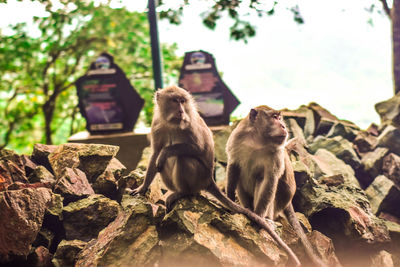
183, 154
260, 172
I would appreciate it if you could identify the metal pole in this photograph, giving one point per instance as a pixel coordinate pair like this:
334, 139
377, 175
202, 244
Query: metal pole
155, 46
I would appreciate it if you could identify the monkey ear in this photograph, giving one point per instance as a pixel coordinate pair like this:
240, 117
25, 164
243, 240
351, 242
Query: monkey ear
253, 114
157, 96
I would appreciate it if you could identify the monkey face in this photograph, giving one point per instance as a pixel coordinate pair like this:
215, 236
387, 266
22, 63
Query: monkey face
269, 124
174, 106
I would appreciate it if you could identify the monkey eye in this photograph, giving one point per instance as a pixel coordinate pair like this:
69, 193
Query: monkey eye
276, 116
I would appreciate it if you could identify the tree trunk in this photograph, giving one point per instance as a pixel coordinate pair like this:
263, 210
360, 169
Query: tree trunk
48, 111
395, 18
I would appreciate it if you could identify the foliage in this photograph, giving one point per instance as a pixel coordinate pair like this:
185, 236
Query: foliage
37, 73
241, 28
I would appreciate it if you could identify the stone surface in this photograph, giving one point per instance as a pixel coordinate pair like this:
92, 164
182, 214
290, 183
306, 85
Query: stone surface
327, 164
67, 253
130, 240
371, 165
389, 110
21, 216
340, 147
390, 138
85, 218
384, 196
73, 184
340, 129
391, 168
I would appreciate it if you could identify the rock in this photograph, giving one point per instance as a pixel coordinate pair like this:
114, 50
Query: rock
371, 165
41, 257
130, 240
340, 147
365, 142
295, 131
106, 183
327, 164
384, 196
311, 124
41, 175
325, 248
92, 159
73, 184
11, 169
29, 165
389, 111
343, 214
41, 153
382, 259
21, 216
220, 138
67, 253
391, 168
85, 218
197, 231
390, 138
340, 129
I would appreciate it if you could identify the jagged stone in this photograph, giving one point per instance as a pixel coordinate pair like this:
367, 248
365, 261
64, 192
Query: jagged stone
391, 168
85, 218
382, 259
67, 253
21, 216
220, 138
41, 153
11, 170
296, 131
371, 165
29, 165
327, 164
389, 111
92, 159
384, 196
390, 138
210, 235
343, 214
41, 175
40, 257
365, 142
130, 240
311, 124
340, 129
72, 184
339, 146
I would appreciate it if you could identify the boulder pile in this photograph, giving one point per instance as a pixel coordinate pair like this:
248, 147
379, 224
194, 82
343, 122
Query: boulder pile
66, 205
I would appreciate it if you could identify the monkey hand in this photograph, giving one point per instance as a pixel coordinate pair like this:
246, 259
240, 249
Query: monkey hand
141, 190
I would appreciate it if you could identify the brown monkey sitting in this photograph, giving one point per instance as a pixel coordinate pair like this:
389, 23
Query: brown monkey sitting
260, 171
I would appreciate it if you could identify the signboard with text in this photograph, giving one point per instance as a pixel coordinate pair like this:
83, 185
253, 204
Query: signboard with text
107, 100
200, 77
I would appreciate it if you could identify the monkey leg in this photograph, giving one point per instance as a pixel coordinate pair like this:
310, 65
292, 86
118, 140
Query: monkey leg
245, 199
264, 197
183, 149
169, 202
233, 175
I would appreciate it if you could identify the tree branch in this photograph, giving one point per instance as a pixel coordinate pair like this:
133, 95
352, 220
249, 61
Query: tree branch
386, 7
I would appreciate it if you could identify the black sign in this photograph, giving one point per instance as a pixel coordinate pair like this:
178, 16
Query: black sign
107, 100
200, 77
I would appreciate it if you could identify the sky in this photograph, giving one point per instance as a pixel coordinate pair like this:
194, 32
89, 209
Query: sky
336, 58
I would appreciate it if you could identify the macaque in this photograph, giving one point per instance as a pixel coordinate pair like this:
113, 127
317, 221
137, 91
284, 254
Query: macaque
183, 154
260, 171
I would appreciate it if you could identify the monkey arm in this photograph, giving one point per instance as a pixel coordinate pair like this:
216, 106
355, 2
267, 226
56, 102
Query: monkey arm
150, 174
233, 174
264, 196
182, 149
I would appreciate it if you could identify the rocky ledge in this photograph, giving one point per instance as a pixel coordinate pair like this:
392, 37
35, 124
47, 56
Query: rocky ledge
66, 205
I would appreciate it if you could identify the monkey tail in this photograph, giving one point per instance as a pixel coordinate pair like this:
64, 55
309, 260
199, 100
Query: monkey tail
291, 216
214, 190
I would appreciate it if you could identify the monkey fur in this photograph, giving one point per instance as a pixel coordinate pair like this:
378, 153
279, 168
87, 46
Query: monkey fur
183, 154
260, 172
